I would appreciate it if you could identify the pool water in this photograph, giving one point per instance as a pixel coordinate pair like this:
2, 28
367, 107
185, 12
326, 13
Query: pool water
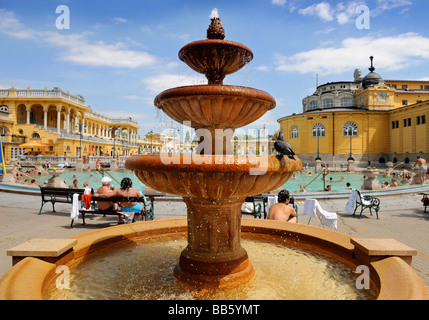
94, 178
336, 180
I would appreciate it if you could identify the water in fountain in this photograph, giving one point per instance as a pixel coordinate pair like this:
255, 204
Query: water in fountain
124, 273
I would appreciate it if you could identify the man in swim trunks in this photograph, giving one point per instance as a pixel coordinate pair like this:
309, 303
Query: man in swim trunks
105, 191
423, 168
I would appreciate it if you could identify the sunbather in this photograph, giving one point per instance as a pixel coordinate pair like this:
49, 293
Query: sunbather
282, 211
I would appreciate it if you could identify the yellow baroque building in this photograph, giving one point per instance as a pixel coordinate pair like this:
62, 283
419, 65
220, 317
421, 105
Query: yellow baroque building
63, 123
369, 120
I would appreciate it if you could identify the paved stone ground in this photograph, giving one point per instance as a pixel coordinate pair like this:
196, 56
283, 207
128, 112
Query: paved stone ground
402, 217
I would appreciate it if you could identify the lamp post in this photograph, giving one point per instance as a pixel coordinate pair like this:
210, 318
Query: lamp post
114, 137
151, 135
80, 140
318, 137
350, 132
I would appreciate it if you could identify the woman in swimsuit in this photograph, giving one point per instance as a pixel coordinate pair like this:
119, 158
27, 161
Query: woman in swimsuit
127, 190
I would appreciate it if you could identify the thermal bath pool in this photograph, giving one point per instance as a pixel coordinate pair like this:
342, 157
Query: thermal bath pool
338, 181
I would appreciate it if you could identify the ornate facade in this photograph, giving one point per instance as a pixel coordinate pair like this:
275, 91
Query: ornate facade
368, 119
63, 123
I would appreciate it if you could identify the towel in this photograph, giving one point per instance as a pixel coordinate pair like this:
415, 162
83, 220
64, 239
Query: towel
270, 201
128, 215
75, 207
86, 198
312, 208
350, 206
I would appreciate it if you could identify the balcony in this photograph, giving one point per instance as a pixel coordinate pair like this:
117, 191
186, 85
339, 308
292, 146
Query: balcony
56, 93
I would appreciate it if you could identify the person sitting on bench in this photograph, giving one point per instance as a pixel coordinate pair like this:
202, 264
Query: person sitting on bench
282, 211
127, 190
105, 191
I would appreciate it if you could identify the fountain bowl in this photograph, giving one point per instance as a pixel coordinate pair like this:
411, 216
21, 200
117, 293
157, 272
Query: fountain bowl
213, 176
209, 106
215, 57
30, 278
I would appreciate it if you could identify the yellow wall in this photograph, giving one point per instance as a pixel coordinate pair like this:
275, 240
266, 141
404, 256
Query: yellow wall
373, 132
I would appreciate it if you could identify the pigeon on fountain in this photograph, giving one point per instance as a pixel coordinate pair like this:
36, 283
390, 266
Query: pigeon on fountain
283, 147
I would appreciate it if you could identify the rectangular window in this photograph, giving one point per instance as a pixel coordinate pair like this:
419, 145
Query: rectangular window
404, 87
421, 120
404, 102
407, 122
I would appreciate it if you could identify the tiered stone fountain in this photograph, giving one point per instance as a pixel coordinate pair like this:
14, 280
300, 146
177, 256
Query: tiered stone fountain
214, 183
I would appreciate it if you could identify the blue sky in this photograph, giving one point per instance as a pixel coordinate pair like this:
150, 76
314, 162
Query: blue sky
120, 54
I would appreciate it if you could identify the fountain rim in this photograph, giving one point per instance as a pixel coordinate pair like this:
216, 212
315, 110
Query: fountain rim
214, 163
216, 42
208, 90
30, 278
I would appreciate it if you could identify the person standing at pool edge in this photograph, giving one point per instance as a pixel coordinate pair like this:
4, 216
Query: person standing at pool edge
423, 168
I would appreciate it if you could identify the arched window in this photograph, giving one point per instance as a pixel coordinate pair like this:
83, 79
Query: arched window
318, 130
294, 132
350, 129
313, 105
35, 135
328, 103
347, 102
4, 108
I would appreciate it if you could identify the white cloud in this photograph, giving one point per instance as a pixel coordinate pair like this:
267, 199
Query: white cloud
279, 2
77, 48
345, 12
157, 84
384, 5
10, 25
391, 53
322, 10
118, 20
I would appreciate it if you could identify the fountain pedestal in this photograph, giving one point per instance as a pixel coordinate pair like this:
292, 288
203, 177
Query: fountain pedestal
214, 256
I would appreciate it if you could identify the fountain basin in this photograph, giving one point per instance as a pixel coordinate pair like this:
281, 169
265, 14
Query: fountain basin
213, 176
215, 106
31, 277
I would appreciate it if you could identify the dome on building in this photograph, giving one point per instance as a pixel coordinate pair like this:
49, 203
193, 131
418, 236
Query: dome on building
372, 79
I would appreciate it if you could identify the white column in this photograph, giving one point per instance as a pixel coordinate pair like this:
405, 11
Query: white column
28, 115
58, 121
45, 118
67, 121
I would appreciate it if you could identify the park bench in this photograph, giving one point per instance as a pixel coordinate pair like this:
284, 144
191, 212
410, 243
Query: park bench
425, 200
366, 202
148, 205
53, 195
